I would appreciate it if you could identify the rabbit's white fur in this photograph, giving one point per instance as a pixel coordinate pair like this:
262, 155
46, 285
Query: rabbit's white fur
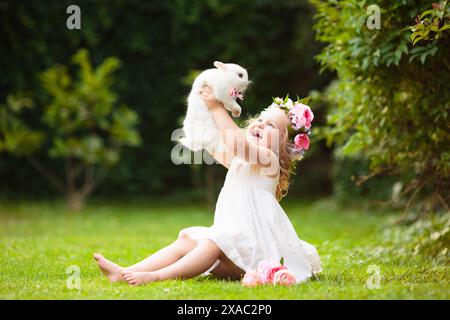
199, 127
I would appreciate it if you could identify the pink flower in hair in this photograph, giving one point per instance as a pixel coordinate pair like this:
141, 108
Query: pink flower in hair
301, 141
309, 117
301, 116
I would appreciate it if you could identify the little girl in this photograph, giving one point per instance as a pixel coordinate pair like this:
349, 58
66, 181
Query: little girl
249, 224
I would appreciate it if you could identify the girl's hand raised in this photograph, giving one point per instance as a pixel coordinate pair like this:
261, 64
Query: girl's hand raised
207, 95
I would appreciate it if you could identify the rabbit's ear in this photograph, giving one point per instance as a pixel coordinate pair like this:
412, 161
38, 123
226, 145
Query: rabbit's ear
220, 65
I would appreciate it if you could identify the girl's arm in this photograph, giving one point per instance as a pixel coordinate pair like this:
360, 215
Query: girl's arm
222, 158
235, 141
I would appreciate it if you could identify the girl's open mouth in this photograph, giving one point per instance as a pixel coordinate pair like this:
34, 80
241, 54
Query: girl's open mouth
256, 133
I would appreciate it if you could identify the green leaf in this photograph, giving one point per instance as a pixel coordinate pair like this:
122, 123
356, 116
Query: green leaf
433, 51
425, 13
305, 100
390, 61
446, 27
423, 57
398, 56
403, 48
414, 35
365, 63
417, 40
434, 28
353, 145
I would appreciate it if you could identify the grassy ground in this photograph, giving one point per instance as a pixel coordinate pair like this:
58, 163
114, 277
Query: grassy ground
40, 241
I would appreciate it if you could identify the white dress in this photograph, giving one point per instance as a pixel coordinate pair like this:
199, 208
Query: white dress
250, 225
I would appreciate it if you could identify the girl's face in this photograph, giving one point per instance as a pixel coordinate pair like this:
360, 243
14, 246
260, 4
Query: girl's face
268, 129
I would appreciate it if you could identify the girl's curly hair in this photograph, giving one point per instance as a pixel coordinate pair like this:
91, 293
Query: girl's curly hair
288, 161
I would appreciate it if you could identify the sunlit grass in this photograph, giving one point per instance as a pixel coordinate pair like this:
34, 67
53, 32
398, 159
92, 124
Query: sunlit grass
40, 240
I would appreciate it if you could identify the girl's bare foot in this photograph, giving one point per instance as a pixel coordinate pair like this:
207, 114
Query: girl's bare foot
136, 278
111, 270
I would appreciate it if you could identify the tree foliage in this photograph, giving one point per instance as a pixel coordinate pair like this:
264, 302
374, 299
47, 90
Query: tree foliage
391, 101
160, 43
15, 136
432, 24
85, 126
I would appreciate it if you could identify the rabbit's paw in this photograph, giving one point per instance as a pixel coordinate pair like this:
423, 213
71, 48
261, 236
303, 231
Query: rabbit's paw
236, 112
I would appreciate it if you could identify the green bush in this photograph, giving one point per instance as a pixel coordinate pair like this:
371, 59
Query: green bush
427, 237
85, 127
391, 101
369, 194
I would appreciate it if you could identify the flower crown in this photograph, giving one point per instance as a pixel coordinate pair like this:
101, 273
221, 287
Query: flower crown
299, 128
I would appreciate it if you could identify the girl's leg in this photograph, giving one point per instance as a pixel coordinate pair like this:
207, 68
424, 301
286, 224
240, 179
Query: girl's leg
197, 261
166, 256
226, 269
162, 258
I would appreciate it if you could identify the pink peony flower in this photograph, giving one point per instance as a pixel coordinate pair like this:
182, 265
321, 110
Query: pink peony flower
301, 141
301, 116
284, 277
296, 116
250, 279
273, 271
264, 268
309, 117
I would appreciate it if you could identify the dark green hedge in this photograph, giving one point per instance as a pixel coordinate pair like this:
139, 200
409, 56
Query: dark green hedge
159, 43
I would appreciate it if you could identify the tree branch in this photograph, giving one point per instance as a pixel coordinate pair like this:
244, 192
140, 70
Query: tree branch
88, 181
360, 180
54, 180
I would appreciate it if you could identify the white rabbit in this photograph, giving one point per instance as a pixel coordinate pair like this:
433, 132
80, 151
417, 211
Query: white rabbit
229, 82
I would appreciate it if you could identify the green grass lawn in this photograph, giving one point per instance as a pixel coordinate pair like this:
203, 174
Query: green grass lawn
39, 241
